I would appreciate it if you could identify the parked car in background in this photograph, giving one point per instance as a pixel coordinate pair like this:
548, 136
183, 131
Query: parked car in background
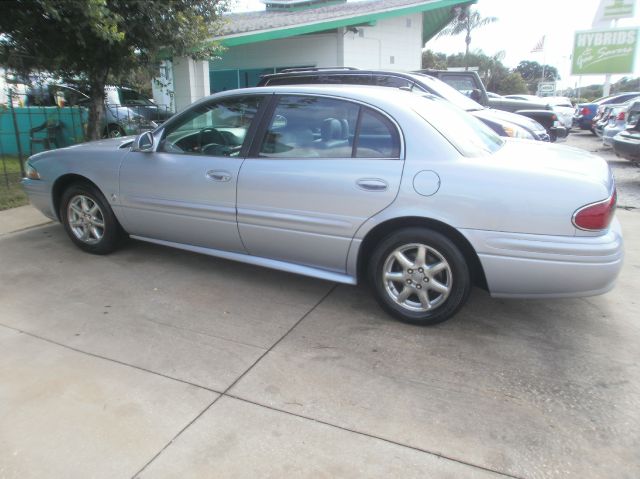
614, 120
585, 112
347, 184
470, 84
563, 108
503, 123
561, 105
127, 111
626, 144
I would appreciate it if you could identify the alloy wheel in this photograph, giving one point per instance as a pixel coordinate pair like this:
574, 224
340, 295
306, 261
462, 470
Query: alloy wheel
85, 219
417, 277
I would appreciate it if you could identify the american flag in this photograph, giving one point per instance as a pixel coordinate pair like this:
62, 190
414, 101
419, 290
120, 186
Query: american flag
539, 46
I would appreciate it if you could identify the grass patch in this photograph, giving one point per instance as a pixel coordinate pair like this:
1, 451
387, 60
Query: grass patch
11, 192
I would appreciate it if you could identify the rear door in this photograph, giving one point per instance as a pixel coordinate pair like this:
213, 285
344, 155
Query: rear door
318, 169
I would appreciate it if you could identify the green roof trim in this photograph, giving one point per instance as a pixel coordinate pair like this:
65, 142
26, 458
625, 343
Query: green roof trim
435, 16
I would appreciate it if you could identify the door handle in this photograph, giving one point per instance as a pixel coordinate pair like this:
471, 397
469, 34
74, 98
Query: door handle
372, 184
218, 175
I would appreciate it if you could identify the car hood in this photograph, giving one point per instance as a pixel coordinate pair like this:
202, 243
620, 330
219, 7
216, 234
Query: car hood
502, 117
106, 145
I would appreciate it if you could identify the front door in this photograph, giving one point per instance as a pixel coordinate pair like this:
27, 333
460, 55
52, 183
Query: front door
319, 170
185, 191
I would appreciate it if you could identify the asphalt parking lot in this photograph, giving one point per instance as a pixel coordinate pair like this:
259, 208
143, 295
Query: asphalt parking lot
158, 363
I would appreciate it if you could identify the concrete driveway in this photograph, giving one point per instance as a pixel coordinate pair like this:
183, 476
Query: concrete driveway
158, 363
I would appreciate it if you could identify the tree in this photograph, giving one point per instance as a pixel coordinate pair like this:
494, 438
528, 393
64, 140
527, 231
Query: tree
466, 22
101, 41
432, 60
533, 72
511, 84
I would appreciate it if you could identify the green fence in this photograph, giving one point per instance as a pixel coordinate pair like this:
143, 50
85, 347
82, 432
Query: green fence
40, 128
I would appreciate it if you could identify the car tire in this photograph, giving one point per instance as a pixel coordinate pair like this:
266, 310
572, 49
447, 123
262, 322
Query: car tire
419, 276
89, 220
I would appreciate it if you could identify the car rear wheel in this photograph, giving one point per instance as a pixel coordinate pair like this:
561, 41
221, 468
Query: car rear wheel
89, 220
419, 276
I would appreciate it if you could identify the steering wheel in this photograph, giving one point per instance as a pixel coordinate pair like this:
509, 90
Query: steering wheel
213, 137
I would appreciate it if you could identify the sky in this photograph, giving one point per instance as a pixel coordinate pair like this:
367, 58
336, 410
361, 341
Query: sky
520, 25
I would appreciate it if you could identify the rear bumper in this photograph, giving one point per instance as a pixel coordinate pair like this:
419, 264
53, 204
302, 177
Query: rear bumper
558, 133
39, 192
539, 266
626, 147
582, 122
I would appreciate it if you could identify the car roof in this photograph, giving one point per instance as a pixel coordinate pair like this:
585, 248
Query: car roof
360, 92
343, 71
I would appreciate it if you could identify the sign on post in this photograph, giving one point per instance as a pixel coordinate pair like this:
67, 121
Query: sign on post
546, 88
613, 10
610, 50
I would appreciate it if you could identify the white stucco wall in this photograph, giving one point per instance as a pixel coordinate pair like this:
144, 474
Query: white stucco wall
400, 38
190, 80
318, 50
393, 44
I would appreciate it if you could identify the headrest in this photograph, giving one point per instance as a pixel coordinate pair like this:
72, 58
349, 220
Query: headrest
331, 129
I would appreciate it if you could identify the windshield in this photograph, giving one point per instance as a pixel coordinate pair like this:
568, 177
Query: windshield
132, 97
466, 133
441, 89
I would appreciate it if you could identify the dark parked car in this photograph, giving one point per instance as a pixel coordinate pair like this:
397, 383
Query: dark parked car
585, 112
469, 83
626, 144
502, 122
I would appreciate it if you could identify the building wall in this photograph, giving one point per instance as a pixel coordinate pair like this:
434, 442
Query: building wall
392, 44
229, 71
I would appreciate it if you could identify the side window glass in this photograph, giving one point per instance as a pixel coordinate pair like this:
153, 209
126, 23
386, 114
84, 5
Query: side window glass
212, 129
393, 82
462, 84
378, 137
310, 127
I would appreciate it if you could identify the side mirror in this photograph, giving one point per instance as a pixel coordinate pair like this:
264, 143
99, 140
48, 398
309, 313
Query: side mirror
143, 142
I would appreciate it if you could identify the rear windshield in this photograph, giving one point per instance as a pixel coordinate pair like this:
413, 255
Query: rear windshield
441, 89
465, 132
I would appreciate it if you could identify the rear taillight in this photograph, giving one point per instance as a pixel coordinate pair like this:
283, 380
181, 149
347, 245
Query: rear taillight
584, 111
596, 216
621, 115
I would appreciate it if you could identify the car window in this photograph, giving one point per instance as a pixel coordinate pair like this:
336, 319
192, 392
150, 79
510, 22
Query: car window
317, 127
391, 81
466, 133
438, 87
215, 129
377, 136
293, 80
132, 97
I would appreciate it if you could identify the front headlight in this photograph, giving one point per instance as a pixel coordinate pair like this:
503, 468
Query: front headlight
30, 172
515, 131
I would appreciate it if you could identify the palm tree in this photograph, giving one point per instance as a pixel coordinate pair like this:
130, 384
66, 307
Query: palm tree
466, 22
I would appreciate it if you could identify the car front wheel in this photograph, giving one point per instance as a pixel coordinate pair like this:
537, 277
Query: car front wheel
419, 276
89, 220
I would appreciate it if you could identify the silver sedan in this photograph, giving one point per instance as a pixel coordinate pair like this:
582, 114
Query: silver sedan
348, 184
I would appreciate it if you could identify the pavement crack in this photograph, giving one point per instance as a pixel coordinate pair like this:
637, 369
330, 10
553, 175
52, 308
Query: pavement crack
225, 392
116, 361
380, 438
